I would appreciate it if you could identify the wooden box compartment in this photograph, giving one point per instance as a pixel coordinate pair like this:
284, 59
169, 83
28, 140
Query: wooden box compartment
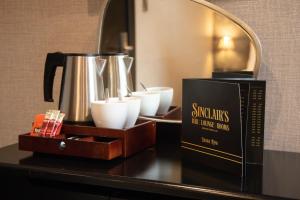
93, 142
89, 147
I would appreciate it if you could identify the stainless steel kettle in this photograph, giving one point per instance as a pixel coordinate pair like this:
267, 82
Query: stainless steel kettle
117, 75
81, 83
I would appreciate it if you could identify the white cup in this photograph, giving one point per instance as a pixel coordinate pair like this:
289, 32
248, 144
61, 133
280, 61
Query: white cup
149, 102
111, 114
133, 111
134, 107
166, 97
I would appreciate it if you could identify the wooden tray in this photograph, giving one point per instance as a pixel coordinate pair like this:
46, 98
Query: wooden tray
93, 142
174, 113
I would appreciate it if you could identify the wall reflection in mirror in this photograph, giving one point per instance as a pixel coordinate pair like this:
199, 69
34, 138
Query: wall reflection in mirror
176, 39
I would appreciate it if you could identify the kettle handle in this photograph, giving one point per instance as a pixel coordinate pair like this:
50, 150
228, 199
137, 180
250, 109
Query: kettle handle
52, 61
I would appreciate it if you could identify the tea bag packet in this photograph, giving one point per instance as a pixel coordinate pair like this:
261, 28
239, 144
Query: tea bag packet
46, 120
58, 124
51, 123
48, 124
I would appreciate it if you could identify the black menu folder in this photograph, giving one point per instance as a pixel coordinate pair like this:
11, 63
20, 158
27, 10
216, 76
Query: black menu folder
223, 122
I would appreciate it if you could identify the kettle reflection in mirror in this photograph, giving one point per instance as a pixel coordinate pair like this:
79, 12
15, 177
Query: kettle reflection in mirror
117, 74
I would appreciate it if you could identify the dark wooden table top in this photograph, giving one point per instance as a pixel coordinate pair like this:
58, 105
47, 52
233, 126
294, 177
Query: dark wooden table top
161, 170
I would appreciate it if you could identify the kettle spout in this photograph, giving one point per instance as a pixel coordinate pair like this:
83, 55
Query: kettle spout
101, 63
128, 63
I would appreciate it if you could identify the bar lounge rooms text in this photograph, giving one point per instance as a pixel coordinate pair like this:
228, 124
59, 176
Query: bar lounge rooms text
210, 119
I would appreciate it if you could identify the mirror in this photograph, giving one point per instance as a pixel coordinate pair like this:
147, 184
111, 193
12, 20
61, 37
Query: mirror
176, 39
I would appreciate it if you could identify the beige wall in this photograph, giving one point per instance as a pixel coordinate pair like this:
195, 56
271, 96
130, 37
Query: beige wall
28, 30
277, 24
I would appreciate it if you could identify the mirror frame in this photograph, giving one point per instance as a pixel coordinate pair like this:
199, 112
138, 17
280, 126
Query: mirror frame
236, 20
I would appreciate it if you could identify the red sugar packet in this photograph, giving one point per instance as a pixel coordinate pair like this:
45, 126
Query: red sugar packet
37, 124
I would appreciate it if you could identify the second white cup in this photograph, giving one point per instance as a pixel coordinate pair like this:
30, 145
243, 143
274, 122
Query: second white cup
166, 97
149, 102
133, 109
